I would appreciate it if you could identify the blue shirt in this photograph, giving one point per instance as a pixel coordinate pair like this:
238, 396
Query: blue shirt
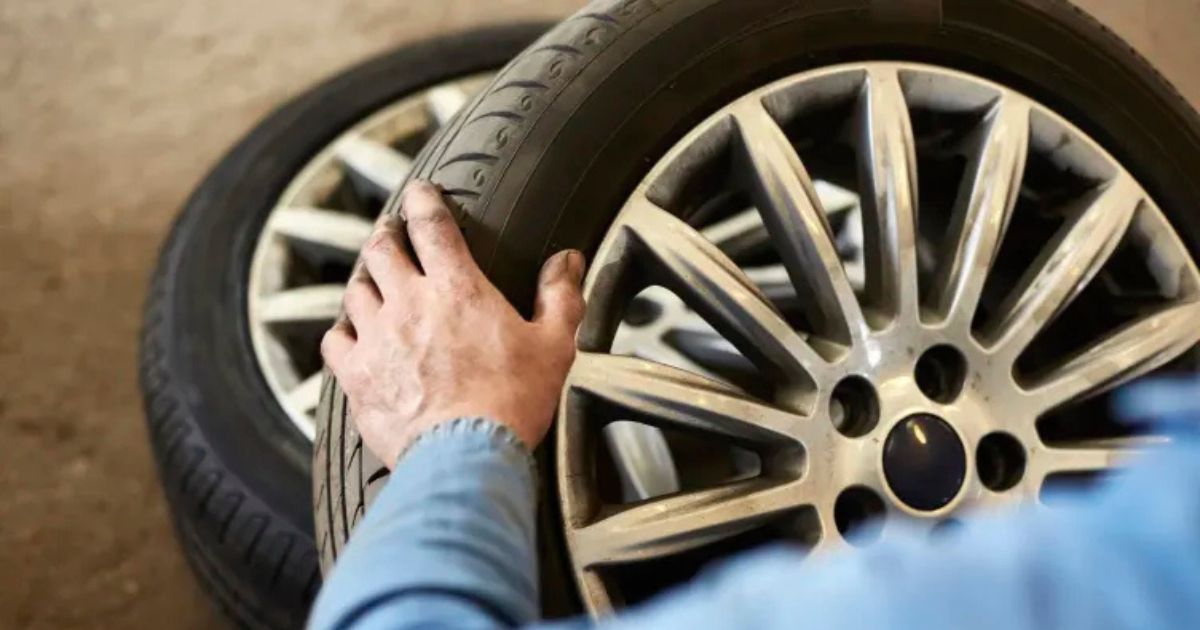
449, 543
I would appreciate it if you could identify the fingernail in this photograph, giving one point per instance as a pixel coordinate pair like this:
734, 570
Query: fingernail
417, 184
575, 264
408, 189
555, 267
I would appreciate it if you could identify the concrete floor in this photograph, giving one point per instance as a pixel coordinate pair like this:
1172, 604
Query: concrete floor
109, 114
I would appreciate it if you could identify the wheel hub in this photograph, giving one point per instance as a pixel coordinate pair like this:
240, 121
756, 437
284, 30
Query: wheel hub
924, 461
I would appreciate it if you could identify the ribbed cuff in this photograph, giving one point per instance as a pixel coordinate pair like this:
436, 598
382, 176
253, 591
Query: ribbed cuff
473, 433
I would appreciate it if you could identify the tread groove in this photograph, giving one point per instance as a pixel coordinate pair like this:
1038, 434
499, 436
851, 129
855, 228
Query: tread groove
379, 473
522, 84
608, 19
505, 114
563, 48
287, 550
484, 158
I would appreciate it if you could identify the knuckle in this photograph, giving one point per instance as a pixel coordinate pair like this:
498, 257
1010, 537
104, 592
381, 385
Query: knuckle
329, 345
358, 289
381, 243
462, 287
568, 309
352, 292
573, 303
433, 219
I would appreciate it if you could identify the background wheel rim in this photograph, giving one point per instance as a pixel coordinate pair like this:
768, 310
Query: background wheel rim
312, 235
924, 339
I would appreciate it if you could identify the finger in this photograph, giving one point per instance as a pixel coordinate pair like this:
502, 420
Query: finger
336, 346
362, 300
387, 259
434, 234
559, 305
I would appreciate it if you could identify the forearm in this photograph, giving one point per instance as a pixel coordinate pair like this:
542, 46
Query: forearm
448, 542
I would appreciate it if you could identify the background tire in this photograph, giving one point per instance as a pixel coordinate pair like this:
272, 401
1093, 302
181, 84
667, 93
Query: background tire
543, 159
235, 470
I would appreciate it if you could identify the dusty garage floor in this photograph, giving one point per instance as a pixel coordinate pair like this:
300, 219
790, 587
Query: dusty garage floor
109, 113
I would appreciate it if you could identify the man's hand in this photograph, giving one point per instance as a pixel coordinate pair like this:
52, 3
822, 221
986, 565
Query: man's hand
420, 348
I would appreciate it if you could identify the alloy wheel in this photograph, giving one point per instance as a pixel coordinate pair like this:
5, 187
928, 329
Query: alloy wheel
778, 393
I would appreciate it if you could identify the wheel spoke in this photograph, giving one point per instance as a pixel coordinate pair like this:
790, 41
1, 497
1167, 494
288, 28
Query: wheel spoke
982, 210
306, 304
1092, 455
444, 102
739, 234
664, 396
1130, 352
744, 232
715, 288
669, 525
1065, 266
341, 231
307, 394
888, 167
378, 166
791, 210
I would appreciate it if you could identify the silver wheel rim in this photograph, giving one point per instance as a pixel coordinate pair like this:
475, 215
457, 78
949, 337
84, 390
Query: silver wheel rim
311, 226
880, 336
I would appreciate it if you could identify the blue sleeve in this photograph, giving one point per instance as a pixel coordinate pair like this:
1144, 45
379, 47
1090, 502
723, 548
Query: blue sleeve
449, 542
1126, 558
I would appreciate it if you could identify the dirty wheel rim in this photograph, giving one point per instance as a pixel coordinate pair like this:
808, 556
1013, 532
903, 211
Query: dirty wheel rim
312, 236
908, 398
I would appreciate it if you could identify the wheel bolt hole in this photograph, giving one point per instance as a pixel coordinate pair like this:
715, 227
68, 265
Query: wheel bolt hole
1000, 461
854, 407
941, 373
642, 312
858, 514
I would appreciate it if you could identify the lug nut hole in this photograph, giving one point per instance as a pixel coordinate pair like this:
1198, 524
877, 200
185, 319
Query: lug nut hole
1000, 461
858, 514
854, 407
941, 373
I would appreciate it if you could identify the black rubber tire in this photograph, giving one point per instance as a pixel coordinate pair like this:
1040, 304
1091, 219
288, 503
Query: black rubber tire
543, 158
235, 470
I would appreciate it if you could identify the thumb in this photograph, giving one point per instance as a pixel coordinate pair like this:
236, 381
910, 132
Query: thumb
559, 304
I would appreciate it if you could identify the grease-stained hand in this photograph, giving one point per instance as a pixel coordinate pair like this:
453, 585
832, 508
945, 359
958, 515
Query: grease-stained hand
427, 338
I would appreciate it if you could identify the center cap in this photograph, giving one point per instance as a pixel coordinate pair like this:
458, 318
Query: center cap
924, 461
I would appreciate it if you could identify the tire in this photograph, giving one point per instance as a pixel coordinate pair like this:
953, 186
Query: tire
544, 157
236, 472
